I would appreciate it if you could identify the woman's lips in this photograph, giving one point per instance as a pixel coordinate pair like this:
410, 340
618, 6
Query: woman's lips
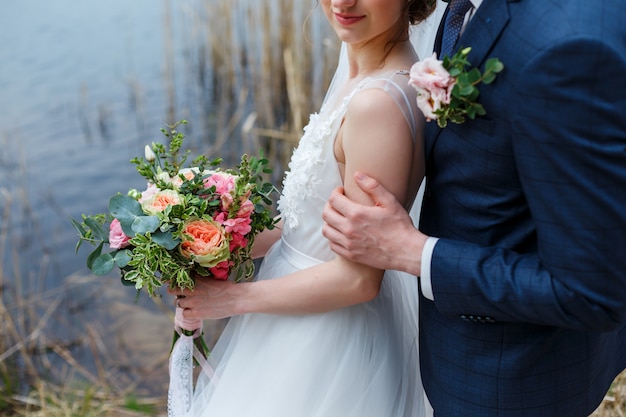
346, 20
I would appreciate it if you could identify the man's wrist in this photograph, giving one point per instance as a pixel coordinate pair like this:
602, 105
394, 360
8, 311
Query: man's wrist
415, 245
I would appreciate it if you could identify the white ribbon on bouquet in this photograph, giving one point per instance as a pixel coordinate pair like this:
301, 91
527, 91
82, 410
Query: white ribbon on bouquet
181, 364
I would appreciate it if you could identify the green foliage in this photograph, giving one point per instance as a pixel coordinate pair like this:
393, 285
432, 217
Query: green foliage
151, 256
133, 404
464, 97
132, 218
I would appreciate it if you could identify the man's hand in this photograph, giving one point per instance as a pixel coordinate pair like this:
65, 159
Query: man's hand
382, 236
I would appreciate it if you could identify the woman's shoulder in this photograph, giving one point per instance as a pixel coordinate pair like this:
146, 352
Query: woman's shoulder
394, 84
382, 96
395, 81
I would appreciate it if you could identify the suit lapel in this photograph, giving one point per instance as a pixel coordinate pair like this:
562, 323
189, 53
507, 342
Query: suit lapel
481, 34
484, 29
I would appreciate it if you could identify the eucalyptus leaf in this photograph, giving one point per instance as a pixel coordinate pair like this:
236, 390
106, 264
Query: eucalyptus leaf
456, 91
144, 224
165, 239
123, 206
494, 65
455, 72
466, 90
473, 76
489, 78
125, 209
473, 96
103, 264
93, 255
122, 258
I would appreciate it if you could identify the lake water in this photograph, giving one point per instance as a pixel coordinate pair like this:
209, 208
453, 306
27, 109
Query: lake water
84, 85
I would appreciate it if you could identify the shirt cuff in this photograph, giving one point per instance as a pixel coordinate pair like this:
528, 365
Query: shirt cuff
427, 255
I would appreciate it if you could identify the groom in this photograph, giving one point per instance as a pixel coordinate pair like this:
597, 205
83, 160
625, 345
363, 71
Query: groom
521, 249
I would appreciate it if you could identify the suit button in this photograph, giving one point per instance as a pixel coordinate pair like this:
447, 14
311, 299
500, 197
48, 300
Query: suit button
477, 319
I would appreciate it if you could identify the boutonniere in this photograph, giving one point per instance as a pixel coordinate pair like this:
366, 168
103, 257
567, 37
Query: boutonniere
447, 91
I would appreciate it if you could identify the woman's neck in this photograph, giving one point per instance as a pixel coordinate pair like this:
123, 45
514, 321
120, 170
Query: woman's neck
367, 60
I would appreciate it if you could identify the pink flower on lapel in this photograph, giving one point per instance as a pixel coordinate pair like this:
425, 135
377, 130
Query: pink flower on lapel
447, 91
433, 84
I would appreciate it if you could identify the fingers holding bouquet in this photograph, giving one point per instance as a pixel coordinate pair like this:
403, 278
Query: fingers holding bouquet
211, 299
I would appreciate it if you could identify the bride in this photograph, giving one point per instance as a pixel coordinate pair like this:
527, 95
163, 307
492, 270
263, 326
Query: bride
314, 334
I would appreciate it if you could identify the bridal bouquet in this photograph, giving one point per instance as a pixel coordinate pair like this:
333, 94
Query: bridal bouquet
446, 91
190, 222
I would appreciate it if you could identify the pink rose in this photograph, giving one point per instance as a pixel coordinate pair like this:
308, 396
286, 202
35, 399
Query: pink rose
224, 183
187, 173
427, 103
433, 84
117, 237
237, 241
205, 242
221, 270
430, 74
149, 193
160, 201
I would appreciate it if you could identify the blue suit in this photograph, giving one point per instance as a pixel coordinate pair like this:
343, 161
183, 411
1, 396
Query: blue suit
529, 203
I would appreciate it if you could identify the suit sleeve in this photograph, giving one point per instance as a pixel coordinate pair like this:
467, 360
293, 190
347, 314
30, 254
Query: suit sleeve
569, 132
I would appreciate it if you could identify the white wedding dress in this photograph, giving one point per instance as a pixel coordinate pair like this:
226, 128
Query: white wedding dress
360, 361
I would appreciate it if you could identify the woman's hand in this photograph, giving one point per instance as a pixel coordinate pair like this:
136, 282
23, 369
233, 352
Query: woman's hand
211, 299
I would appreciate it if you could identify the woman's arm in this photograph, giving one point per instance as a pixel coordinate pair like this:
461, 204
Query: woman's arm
374, 138
264, 240
321, 288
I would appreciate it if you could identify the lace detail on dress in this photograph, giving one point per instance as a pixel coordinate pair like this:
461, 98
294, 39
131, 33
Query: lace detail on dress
301, 178
306, 160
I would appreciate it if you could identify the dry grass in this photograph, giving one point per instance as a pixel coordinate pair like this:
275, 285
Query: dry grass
84, 374
62, 350
266, 66
48, 400
614, 404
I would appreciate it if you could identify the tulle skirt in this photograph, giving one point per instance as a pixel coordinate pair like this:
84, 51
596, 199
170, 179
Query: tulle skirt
359, 361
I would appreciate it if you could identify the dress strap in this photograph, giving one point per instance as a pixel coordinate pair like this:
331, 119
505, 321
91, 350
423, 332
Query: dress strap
396, 85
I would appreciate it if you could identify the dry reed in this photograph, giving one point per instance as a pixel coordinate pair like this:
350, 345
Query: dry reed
43, 370
269, 65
